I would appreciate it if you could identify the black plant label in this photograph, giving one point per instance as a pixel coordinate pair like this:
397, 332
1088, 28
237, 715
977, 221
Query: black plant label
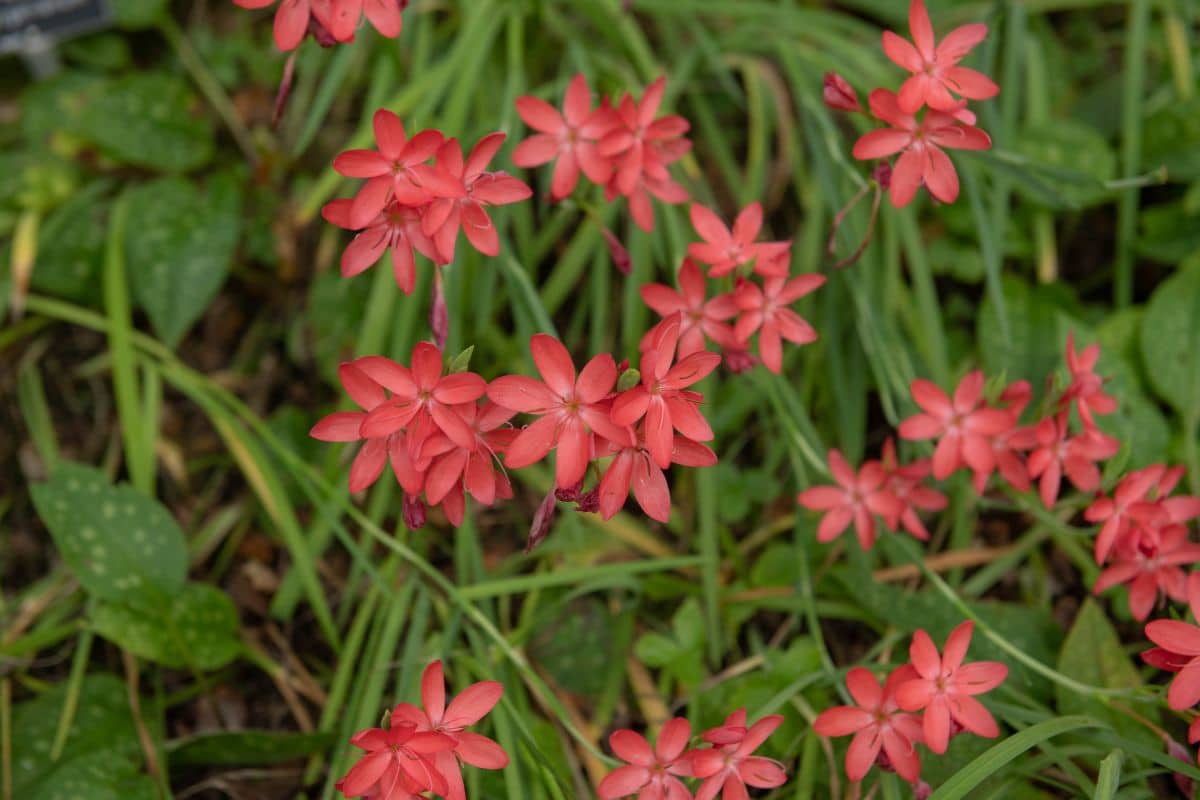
26, 24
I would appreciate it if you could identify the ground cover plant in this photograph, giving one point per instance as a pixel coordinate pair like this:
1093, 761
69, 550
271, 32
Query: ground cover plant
581, 398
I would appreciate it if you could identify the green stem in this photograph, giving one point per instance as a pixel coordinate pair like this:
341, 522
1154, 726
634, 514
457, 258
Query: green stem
1131, 147
79, 664
209, 86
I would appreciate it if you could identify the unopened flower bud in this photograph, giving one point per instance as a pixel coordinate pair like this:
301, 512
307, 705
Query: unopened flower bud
740, 361
629, 379
620, 255
543, 520
838, 94
414, 512
922, 790
439, 315
882, 174
1182, 782
320, 33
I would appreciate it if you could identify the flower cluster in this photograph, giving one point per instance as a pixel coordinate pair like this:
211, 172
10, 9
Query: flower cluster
626, 148
1143, 537
329, 21
936, 78
731, 319
1177, 650
926, 701
409, 204
422, 750
444, 439
882, 488
726, 766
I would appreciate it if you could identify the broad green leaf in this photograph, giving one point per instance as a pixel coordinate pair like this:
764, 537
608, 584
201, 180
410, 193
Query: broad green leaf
148, 120
121, 544
245, 747
1170, 140
1039, 322
1171, 341
1092, 654
70, 244
198, 629
1075, 155
58, 105
101, 753
564, 646
180, 248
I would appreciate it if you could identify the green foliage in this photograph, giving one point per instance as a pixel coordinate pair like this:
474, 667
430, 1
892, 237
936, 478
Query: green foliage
680, 654
180, 248
121, 545
101, 759
1092, 654
197, 628
1171, 342
245, 747
1074, 157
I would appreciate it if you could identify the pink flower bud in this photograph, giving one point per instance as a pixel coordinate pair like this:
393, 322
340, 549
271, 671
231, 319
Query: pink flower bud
1183, 782
840, 95
543, 520
414, 512
620, 255
439, 315
740, 362
882, 174
320, 33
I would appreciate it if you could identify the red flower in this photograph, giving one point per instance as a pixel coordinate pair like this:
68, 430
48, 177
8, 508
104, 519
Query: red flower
661, 398
1086, 387
725, 250
466, 189
455, 468
905, 482
856, 497
292, 19
946, 687
765, 311
838, 94
641, 144
935, 69
397, 228
1178, 651
922, 160
570, 409
424, 401
1057, 453
571, 136
399, 763
346, 426
728, 767
1007, 445
396, 170
1151, 560
634, 468
1129, 504
877, 723
641, 148
384, 15
962, 426
699, 318
650, 773
471, 705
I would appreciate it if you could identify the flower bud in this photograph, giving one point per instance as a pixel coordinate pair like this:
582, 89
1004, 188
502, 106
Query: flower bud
620, 255
840, 95
414, 512
543, 520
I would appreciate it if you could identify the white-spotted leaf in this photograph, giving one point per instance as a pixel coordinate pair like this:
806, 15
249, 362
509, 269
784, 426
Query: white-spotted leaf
121, 544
